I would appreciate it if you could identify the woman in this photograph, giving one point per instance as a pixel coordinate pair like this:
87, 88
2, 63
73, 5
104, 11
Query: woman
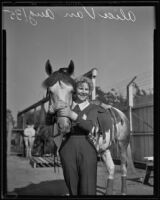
78, 154
29, 137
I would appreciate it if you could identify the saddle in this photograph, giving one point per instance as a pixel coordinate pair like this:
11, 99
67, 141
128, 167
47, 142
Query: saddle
106, 120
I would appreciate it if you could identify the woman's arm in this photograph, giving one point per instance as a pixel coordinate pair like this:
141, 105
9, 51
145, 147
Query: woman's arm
81, 120
85, 124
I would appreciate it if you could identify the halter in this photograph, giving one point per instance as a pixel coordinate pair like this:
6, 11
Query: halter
64, 75
52, 110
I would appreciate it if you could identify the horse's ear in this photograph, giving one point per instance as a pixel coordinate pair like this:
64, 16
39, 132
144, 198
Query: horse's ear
48, 68
71, 67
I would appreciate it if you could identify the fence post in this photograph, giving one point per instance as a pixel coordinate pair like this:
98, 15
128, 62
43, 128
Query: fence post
130, 105
130, 101
94, 75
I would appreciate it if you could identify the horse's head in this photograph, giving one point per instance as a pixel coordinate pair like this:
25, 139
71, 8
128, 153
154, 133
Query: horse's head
60, 86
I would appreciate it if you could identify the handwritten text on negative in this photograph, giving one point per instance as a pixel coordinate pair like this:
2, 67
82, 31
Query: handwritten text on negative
21, 14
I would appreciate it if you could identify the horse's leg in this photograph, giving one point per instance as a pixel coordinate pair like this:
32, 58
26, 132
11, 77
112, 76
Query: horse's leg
123, 156
107, 158
26, 146
31, 142
29, 147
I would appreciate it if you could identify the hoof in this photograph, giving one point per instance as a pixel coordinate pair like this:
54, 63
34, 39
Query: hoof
109, 189
124, 186
67, 194
108, 193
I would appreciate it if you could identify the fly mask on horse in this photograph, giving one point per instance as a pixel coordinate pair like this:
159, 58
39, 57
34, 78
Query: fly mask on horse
60, 86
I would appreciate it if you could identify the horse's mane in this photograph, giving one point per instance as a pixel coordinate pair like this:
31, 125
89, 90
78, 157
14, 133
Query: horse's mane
58, 76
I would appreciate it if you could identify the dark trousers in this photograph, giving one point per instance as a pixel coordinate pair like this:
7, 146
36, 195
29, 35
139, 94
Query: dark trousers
79, 162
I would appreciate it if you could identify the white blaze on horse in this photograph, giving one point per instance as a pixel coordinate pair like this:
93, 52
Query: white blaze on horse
61, 87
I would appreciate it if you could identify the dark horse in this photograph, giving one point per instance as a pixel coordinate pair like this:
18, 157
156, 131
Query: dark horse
61, 87
44, 143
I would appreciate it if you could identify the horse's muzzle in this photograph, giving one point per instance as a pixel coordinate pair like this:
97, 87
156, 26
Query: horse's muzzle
64, 125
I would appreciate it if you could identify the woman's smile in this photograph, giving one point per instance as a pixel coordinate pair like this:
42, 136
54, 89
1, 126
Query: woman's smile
83, 91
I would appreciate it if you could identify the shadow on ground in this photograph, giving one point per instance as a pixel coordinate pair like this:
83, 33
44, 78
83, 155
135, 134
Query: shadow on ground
49, 188
140, 180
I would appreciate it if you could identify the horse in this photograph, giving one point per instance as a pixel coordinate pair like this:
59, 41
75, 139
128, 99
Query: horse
61, 86
44, 142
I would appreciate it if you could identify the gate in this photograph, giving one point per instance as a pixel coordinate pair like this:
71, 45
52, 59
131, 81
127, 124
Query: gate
142, 137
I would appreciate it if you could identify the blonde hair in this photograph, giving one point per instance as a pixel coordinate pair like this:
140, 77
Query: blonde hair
84, 79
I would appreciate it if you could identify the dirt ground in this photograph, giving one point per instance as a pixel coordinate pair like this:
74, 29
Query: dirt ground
23, 179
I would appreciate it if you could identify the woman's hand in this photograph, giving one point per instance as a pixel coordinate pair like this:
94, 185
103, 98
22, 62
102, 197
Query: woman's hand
67, 112
106, 106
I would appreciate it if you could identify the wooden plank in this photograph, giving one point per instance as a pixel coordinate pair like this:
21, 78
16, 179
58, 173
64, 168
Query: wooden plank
147, 174
35, 162
50, 159
138, 148
150, 119
151, 143
149, 158
141, 117
44, 162
47, 159
143, 106
145, 119
143, 128
135, 121
36, 159
149, 167
51, 163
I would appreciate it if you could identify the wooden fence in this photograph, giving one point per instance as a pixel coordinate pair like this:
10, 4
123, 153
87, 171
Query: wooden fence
142, 139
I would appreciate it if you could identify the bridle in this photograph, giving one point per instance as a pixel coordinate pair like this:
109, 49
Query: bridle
53, 111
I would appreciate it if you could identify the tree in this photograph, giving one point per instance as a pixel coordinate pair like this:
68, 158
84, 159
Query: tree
139, 92
141, 96
101, 95
10, 118
111, 97
10, 125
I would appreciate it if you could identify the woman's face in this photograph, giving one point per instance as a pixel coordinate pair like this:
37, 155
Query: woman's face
82, 91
